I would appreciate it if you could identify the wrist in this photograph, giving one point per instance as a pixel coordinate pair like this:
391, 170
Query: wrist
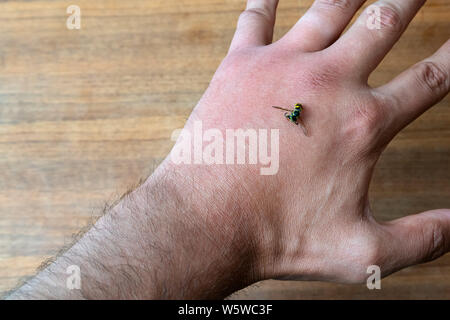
169, 238
223, 223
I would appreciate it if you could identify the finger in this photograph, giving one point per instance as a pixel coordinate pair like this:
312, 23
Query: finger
255, 25
374, 33
417, 239
322, 24
418, 88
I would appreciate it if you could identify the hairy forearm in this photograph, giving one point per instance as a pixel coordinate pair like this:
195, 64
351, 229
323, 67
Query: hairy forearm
160, 241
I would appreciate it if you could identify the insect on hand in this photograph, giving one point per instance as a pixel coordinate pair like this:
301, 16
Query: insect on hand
294, 116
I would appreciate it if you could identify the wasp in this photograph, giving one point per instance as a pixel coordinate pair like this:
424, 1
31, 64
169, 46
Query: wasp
294, 116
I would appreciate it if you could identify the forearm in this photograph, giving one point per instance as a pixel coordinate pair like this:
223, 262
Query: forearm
160, 241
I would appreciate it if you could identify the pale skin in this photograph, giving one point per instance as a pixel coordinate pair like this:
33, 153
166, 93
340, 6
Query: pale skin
199, 231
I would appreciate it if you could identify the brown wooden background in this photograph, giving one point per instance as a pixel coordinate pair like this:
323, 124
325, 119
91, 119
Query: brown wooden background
85, 113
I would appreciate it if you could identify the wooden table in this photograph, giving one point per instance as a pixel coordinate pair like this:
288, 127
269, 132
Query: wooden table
84, 114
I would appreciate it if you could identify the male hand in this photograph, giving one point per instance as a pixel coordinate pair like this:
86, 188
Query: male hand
312, 220
204, 231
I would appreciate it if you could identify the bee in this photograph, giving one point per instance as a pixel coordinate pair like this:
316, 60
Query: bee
294, 116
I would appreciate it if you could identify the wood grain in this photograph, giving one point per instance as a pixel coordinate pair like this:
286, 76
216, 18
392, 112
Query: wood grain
84, 114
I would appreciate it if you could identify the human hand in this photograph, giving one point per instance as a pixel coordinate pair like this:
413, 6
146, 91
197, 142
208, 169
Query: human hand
312, 219
206, 230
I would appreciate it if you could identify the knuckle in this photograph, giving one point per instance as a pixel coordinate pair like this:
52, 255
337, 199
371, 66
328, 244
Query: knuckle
366, 122
434, 242
256, 13
432, 77
339, 4
390, 17
232, 65
323, 78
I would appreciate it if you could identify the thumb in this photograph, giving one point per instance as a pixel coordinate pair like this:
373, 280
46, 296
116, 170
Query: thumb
418, 238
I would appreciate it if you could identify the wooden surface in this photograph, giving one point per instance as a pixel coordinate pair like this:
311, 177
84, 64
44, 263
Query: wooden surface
84, 114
